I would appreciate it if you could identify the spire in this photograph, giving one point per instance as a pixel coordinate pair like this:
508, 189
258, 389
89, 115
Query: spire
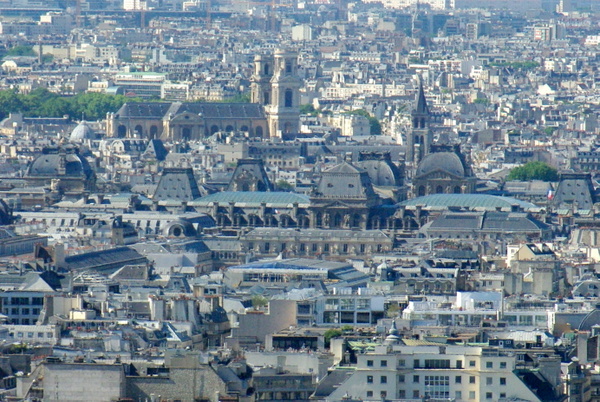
422, 108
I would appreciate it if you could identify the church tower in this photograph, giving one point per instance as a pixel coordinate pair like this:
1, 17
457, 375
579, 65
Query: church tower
281, 95
260, 89
419, 137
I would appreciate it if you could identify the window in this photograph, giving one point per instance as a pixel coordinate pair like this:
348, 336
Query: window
458, 395
383, 394
415, 378
438, 386
471, 363
401, 378
489, 365
40, 335
471, 394
502, 394
401, 394
369, 363
401, 363
30, 334
488, 395
25, 311
369, 379
437, 363
416, 393
472, 379
384, 363
502, 365
502, 380
369, 394
288, 98
416, 363
458, 379
383, 379
488, 381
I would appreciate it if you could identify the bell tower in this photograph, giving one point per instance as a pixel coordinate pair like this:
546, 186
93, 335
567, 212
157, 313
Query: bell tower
419, 137
283, 113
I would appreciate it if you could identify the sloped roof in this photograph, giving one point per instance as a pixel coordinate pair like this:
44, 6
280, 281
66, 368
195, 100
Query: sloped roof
177, 184
250, 198
143, 110
471, 201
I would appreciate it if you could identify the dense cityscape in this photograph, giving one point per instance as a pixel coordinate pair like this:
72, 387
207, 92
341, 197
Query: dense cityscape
299, 200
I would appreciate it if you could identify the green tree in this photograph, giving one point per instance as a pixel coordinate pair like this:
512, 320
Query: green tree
330, 334
533, 171
10, 102
392, 310
308, 109
21, 50
374, 125
284, 185
259, 302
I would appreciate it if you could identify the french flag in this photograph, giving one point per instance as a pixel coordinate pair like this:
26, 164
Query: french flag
550, 194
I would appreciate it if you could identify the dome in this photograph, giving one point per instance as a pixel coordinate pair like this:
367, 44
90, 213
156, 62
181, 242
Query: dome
82, 132
381, 173
63, 162
448, 162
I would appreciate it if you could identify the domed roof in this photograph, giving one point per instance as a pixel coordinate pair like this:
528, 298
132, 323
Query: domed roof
82, 132
446, 161
381, 172
63, 162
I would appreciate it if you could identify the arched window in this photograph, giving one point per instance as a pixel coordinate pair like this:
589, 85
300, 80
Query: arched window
186, 134
121, 131
421, 191
229, 128
214, 129
153, 132
259, 131
457, 190
288, 67
139, 130
289, 98
266, 69
287, 127
266, 98
439, 190
244, 129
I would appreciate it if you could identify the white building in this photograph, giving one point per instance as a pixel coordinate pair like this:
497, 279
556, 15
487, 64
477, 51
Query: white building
445, 372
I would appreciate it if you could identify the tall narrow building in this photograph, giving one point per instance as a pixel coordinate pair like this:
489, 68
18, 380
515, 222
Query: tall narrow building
419, 138
276, 85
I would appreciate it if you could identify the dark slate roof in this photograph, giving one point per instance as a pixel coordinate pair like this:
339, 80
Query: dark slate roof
331, 382
344, 181
471, 201
177, 184
505, 222
143, 110
248, 170
48, 164
157, 148
575, 188
224, 110
381, 173
445, 161
111, 259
